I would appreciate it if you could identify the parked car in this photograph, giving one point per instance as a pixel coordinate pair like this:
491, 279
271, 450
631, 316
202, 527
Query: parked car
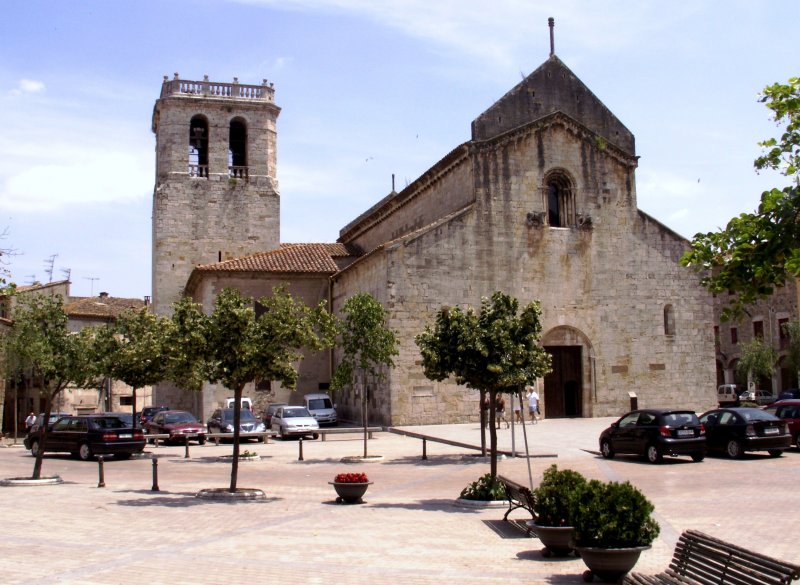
790, 394
294, 421
181, 426
148, 412
266, 418
789, 412
654, 433
320, 406
54, 416
764, 397
735, 431
88, 435
221, 421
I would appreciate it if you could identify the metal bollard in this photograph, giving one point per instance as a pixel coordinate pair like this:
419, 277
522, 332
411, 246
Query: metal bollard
424, 449
300, 458
102, 481
155, 474
186, 454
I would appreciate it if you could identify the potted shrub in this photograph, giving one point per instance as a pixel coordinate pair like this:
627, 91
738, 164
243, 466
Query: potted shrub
613, 525
350, 487
556, 502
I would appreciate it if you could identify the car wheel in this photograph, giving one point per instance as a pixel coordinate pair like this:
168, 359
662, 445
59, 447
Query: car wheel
315, 436
653, 454
797, 441
201, 441
606, 450
85, 452
733, 449
34, 448
698, 457
775, 452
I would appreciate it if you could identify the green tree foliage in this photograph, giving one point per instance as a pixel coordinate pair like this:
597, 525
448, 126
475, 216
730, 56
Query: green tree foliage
758, 251
758, 359
40, 344
494, 351
133, 350
368, 346
233, 346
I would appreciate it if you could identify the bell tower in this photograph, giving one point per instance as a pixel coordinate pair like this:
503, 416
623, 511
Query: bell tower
216, 192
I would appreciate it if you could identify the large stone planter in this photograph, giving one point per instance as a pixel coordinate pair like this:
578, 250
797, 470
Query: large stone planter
609, 564
350, 492
557, 540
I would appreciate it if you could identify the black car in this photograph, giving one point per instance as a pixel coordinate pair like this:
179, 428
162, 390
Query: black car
736, 430
148, 412
88, 435
654, 433
790, 394
54, 416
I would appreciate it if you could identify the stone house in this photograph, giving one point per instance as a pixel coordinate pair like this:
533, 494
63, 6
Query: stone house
539, 203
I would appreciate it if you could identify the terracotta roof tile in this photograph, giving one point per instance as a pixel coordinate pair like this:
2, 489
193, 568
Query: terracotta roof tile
100, 307
287, 258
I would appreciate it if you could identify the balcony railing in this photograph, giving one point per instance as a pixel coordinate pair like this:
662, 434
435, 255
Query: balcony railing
200, 171
238, 173
213, 89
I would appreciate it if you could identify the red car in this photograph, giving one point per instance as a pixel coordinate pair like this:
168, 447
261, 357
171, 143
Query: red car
789, 411
181, 426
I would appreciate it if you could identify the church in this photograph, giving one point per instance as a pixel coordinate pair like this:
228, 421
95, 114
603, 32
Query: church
540, 203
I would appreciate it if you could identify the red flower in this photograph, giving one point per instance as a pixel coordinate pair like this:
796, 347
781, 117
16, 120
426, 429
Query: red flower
351, 478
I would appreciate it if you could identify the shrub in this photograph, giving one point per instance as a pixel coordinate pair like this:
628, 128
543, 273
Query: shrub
484, 489
614, 515
557, 498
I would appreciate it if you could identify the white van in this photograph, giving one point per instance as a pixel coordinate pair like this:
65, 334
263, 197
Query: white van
247, 404
733, 394
321, 408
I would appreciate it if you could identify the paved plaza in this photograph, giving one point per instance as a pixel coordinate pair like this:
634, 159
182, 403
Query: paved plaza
408, 529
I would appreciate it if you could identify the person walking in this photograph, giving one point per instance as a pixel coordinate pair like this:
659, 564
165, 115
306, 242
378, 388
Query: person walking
517, 402
533, 404
500, 411
30, 421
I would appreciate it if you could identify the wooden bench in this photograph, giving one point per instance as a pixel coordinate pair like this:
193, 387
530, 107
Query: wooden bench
518, 496
700, 558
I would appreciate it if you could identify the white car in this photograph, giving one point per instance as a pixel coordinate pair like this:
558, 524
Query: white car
294, 421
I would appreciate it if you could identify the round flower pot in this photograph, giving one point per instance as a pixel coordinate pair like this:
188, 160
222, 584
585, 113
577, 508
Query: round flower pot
609, 564
557, 540
351, 492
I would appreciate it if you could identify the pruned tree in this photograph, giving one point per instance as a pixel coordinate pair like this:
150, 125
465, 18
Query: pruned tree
494, 351
368, 346
792, 330
757, 252
132, 350
233, 346
40, 344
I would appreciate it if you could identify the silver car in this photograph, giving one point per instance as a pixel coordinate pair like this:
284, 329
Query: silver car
294, 421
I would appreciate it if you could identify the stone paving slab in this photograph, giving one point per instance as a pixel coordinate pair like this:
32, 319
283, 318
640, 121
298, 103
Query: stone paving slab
406, 531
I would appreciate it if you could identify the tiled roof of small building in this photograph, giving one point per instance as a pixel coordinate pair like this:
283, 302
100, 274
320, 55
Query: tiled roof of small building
287, 258
103, 307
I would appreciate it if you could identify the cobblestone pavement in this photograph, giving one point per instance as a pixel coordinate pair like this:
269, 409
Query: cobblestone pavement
408, 529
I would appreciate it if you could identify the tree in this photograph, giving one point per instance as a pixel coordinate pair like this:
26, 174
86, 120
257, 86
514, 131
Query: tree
757, 361
133, 349
757, 252
40, 343
368, 346
494, 351
792, 329
233, 346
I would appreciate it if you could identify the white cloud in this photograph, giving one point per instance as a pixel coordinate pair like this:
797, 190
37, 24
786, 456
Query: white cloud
27, 86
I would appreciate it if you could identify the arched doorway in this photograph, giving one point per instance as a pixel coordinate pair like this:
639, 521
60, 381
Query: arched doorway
567, 387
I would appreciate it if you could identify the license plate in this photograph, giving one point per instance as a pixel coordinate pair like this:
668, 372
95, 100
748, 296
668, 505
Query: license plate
125, 436
771, 431
191, 435
685, 433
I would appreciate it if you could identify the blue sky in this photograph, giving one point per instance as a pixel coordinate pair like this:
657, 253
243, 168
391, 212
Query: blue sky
367, 89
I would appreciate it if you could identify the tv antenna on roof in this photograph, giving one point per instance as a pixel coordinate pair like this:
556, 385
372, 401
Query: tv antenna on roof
49, 263
92, 278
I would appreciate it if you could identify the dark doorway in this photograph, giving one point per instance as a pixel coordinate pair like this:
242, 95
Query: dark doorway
563, 394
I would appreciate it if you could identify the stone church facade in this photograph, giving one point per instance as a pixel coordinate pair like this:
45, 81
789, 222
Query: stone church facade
539, 203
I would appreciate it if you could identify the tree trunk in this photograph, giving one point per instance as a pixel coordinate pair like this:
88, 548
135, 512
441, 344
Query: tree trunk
364, 409
493, 433
237, 417
133, 406
484, 422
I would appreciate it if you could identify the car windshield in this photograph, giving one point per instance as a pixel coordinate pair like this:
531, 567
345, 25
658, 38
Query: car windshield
319, 403
751, 414
677, 419
109, 422
294, 412
180, 417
